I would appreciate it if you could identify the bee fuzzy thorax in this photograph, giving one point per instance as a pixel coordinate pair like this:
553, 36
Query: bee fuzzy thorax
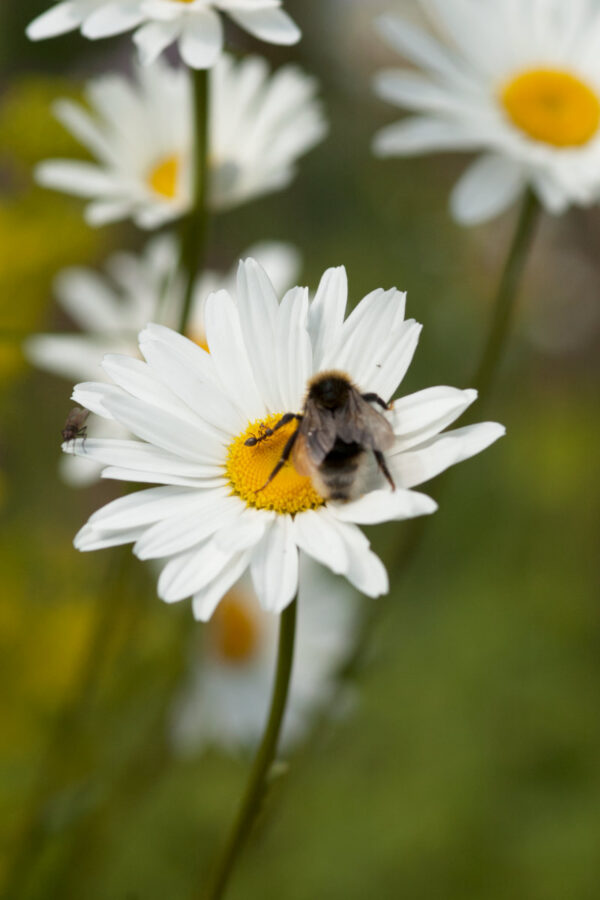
330, 388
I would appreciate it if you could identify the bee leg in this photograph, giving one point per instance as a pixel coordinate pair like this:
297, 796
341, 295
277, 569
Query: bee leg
285, 455
383, 467
284, 420
375, 398
83, 436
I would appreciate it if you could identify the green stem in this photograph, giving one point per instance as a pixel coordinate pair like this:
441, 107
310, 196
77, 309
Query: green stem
194, 231
504, 302
251, 802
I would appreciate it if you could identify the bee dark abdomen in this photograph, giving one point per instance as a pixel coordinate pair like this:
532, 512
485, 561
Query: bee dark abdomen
339, 469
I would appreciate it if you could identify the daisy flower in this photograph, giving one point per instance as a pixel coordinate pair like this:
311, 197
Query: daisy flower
226, 698
519, 82
199, 415
110, 310
194, 24
141, 134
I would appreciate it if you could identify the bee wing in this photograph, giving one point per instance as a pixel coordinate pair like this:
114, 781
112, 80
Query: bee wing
361, 424
318, 431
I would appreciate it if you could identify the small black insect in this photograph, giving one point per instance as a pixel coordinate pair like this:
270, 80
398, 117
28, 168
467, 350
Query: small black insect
336, 429
75, 426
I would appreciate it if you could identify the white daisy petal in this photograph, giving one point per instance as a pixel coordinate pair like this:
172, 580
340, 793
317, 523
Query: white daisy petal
75, 177
112, 18
201, 40
195, 357
228, 350
438, 454
103, 212
393, 364
83, 127
246, 532
59, 19
189, 439
93, 395
138, 379
141, 508
365, 571
488, 187
154, 37
258, 309
147, 476
207, 401
417, 46
315, 533
211, 511
64, 354
190, 571
417, 417
384, 506
139, 456
274, 566
423, 134
88, 539
326, 314
292, 342
272, 25
205, 601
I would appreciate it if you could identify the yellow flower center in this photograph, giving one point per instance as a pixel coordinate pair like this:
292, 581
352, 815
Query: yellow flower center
552, 106
164, 177
248, 469
235, 628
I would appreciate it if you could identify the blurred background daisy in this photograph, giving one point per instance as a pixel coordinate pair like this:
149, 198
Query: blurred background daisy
226, 698
519, 82
140, 132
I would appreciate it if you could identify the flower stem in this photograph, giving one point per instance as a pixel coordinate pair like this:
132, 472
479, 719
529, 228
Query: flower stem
504, 303
194, 231
255, 790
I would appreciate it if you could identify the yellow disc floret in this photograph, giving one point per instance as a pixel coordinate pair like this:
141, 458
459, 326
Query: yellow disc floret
235, 628
163, 178
552, 106
249, 468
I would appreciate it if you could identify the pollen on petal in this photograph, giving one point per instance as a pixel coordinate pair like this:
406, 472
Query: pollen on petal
552, 106
249, 468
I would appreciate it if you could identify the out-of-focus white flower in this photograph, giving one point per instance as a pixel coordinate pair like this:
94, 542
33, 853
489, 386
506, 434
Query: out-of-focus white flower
194, 24
140, 133
518, 81
215, 514
110, 310
226, 699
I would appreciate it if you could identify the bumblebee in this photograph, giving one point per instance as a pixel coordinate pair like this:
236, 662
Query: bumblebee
337, 428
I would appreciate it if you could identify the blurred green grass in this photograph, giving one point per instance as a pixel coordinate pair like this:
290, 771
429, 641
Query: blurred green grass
471, 768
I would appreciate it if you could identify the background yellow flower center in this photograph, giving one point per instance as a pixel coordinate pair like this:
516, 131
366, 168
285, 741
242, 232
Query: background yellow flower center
248, 468
235, 629
164, 177
552, 106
